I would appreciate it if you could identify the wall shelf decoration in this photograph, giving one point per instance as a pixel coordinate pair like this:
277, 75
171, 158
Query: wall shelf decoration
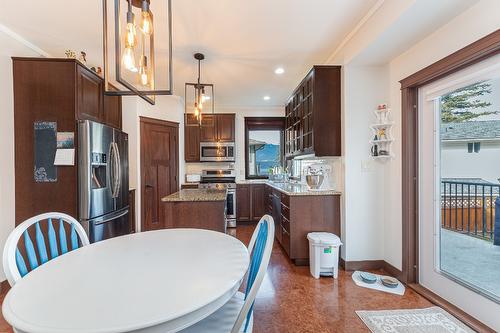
382, 139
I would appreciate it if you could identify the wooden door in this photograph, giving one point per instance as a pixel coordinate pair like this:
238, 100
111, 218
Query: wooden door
243, 203
159, 169
258, 201
225, 124
89, 95
191, 139
207, 130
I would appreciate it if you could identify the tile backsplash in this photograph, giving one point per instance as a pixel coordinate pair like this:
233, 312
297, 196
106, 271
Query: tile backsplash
331, 167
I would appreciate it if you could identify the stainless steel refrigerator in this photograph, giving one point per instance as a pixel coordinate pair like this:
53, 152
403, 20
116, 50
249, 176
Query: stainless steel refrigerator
103, 180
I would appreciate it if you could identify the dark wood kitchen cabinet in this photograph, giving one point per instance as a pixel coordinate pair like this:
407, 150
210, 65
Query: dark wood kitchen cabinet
258, 208
218, 127
225, 125
207, 128
250, 202
113, 110
243, 203
313, 114
297, 215
191, 138
89, 94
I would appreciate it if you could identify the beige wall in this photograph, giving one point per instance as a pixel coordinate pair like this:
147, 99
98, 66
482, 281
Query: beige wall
364, 195
169, 108
9, 47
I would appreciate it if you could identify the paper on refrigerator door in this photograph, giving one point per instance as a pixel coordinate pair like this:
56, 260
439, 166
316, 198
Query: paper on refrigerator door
65, 157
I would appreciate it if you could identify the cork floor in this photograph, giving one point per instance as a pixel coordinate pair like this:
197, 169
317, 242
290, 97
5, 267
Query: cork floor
290, 300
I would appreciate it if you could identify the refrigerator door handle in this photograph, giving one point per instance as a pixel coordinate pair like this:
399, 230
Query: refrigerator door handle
112, 174
110, 218
115, 170
119, 169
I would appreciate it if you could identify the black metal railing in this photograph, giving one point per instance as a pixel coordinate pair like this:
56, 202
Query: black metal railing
468, 206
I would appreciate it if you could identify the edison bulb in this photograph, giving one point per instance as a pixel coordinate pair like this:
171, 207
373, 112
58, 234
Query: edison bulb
196, 112
128, 59
143, 70
130, 35
144, 77
146, 23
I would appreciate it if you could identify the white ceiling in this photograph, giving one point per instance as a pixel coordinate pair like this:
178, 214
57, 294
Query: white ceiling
244, 41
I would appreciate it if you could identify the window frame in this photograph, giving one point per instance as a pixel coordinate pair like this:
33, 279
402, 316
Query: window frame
263, 124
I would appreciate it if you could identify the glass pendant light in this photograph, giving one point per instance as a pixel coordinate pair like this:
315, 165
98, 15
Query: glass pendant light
202, 96
131, 63
146, 24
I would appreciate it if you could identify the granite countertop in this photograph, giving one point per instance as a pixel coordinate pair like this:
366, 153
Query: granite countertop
252, 181
290, 188
187, 195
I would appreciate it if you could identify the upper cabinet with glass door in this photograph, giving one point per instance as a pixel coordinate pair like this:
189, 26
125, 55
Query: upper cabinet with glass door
313, 123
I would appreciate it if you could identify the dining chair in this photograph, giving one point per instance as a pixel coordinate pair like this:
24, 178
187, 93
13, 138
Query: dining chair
14, 263
237, 314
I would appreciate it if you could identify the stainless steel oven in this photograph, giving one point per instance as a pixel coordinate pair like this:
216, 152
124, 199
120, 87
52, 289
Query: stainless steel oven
223, 179
217, 151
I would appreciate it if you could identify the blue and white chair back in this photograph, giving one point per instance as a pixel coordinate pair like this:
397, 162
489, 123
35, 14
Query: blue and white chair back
260, 248
68, 231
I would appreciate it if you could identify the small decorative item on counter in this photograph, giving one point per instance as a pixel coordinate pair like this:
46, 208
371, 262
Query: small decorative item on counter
276, 174
70, 54
314, 178
83, 57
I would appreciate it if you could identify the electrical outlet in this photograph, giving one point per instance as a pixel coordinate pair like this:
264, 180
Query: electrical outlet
366, 165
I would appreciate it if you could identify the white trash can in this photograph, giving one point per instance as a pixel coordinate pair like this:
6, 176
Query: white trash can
324, 250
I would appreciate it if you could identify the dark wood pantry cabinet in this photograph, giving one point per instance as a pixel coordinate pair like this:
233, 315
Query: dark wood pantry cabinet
313, 114
53, 90
218, 127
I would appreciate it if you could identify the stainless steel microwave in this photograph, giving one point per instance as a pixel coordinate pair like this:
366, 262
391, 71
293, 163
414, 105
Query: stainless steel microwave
217, 152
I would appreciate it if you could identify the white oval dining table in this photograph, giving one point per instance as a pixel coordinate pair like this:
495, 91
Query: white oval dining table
156, 281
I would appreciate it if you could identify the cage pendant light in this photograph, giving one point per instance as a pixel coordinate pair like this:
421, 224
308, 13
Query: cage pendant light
199, 96
133, 33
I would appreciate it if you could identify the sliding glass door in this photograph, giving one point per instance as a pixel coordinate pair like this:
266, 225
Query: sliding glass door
459, 225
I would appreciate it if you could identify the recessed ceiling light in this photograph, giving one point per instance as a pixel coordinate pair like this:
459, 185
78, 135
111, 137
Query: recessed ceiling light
266, 98
279, 70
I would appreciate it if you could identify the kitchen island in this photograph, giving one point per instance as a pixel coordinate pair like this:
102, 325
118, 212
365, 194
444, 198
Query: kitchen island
196, 208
